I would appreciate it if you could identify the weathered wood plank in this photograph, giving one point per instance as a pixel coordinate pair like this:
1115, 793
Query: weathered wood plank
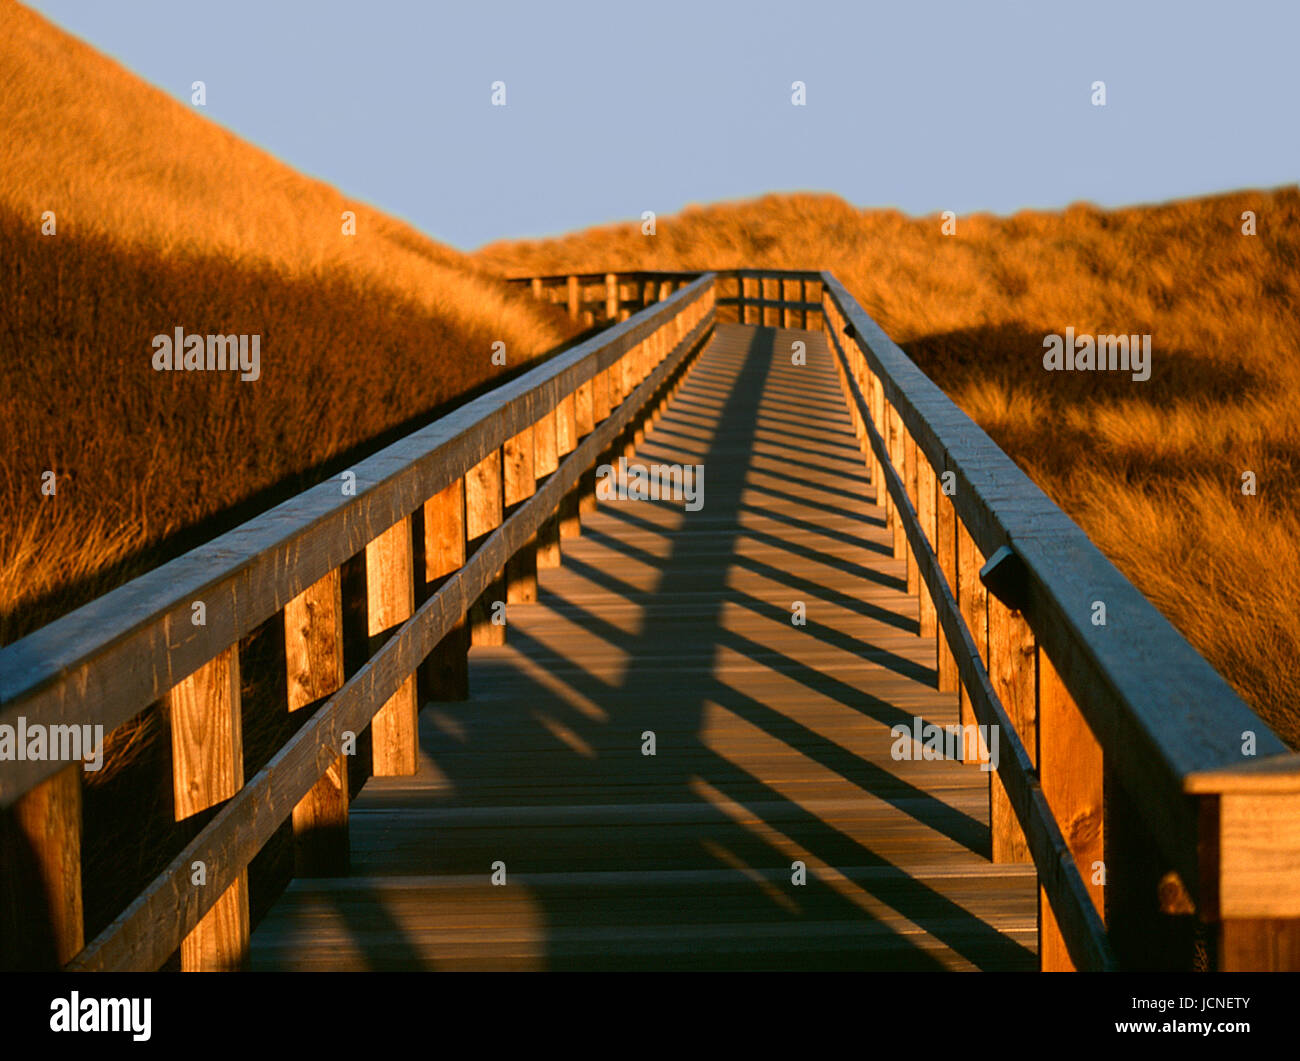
41, 922
1071, 767
313, 652
390, 591
208, 769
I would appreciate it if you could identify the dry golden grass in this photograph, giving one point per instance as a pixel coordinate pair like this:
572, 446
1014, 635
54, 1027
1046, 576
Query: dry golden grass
1151, 470
165, 220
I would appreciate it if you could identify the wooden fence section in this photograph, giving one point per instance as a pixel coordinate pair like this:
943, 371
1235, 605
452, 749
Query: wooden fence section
490, 489
746, 296
605, 298
1161, 813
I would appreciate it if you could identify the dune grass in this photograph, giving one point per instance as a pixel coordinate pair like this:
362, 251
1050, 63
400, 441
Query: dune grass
1151, 470
164, 220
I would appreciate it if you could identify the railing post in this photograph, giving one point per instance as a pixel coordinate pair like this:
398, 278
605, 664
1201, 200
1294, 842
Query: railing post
313, 654
910, 483
41, 922
585, 419
446, 671
611, 297
1071, 769
925, 487
575, 298
546, 459
882, 427
946, 549
1012, 672
896, 457
1149, 921
1250, 848
207, 769
520, 483
390, 601
483, 514
972, 598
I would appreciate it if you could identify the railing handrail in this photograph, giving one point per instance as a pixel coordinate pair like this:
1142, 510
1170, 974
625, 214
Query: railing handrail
109, 659
1161, 712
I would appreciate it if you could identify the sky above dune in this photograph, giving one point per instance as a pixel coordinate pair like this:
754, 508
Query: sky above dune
615, 109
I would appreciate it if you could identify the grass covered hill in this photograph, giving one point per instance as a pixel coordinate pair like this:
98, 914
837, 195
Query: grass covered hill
125, 214
1151, 470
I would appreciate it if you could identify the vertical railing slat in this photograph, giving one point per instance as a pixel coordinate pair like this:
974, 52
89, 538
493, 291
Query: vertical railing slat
390, 601
313, 653
208, 768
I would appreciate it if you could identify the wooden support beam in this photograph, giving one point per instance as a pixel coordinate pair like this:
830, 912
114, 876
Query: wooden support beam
925, 488
1071, 770
913, 495
41, 921
567, 435
1013, 673
446, 670
897, 454
946, 550
972, 598
313, 654
611, 297
207, 769
390, 601
575, 297
483, 514
878, 417
546, 459
519, 484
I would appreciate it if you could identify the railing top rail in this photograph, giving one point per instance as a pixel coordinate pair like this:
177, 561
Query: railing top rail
670, 274
1163, 715
592, 277
112, 657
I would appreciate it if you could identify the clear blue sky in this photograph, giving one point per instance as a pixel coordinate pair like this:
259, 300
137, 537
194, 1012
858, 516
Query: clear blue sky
618, 107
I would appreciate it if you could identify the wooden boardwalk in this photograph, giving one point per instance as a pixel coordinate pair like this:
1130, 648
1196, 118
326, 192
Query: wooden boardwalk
772, 740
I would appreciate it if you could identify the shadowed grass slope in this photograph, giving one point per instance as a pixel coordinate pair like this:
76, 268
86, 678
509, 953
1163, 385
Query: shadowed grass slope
1151, 470
163, 220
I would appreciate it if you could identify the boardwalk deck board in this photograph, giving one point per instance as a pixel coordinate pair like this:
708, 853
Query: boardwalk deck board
772, 740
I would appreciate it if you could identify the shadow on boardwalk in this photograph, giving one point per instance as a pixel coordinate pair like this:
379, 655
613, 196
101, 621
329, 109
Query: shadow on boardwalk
771, 739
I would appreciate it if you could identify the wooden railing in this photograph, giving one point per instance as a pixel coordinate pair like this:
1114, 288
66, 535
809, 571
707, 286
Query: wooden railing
1121, 775
448, 526
760, 296
605, 298
1162, 814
